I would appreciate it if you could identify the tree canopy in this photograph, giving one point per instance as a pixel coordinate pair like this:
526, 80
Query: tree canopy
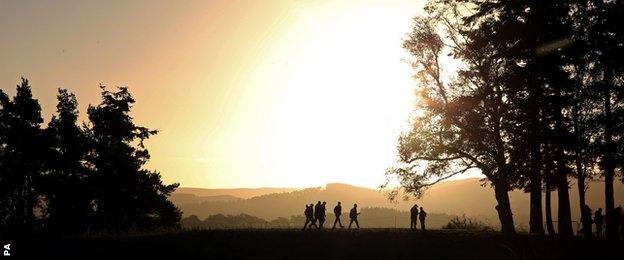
68, 178
534, 101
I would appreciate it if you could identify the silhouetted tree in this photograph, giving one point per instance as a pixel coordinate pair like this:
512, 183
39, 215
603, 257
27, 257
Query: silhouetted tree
191, 221
126, 195
461, 121
64, 178
537, 36
5, 185
585, 150
537, 98
548, 173
600, 29
22, 159
65, 184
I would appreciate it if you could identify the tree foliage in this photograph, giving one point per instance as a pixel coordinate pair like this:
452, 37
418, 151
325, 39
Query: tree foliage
536, 98
67, 178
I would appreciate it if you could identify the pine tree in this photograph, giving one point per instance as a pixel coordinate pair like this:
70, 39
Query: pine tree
65, 184
22, 158
126, 195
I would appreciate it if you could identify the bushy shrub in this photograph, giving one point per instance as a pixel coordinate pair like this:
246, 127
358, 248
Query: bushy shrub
467, 223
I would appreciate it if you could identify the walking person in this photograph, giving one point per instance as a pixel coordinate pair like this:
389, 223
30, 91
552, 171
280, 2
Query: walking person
414, 217
421, 216
322, 215
353, 214
337, 213
317, 210
598, 220
309, 214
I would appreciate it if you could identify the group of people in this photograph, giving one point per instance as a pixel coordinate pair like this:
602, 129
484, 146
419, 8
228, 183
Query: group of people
415, 215
599, 219
315, 215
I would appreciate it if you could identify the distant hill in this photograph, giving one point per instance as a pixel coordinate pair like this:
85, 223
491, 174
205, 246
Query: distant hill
185, 198
284, 204
243, 193
452, 197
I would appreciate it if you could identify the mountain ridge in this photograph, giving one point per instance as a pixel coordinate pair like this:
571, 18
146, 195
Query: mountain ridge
455, 197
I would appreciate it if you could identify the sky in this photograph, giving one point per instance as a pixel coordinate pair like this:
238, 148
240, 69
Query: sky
269, 93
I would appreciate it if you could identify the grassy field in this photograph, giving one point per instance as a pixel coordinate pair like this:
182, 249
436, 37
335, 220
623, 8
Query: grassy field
339, 244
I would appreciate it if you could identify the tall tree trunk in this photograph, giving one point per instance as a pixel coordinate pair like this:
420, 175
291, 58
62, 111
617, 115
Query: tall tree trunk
578, 161
501, 191
564, 218
549, 221
608, 161
585, 218
564, 215
536, 224
580, 172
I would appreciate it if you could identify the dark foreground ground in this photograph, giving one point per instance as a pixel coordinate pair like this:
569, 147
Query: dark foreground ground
342, 244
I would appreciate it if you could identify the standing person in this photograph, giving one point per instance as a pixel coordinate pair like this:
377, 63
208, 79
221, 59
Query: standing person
317, 210
353, 214
599, 220
586, 220
337, 212
322, 214
414, 217
309, 214
422, 215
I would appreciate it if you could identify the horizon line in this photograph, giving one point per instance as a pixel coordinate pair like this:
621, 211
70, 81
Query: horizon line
301, 188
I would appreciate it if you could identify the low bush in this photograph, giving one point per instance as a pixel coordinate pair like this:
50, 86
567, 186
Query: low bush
467, 223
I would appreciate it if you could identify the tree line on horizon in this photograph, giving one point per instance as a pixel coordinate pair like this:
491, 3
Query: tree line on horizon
371, 217
70, 178
532, 97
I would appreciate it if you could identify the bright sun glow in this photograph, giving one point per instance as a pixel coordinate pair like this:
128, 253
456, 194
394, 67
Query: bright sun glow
339, 93
244, 93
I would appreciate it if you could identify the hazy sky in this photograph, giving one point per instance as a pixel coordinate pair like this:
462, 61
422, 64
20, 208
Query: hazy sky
245, 93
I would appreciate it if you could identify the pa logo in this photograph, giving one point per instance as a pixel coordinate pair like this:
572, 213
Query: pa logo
6, 249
